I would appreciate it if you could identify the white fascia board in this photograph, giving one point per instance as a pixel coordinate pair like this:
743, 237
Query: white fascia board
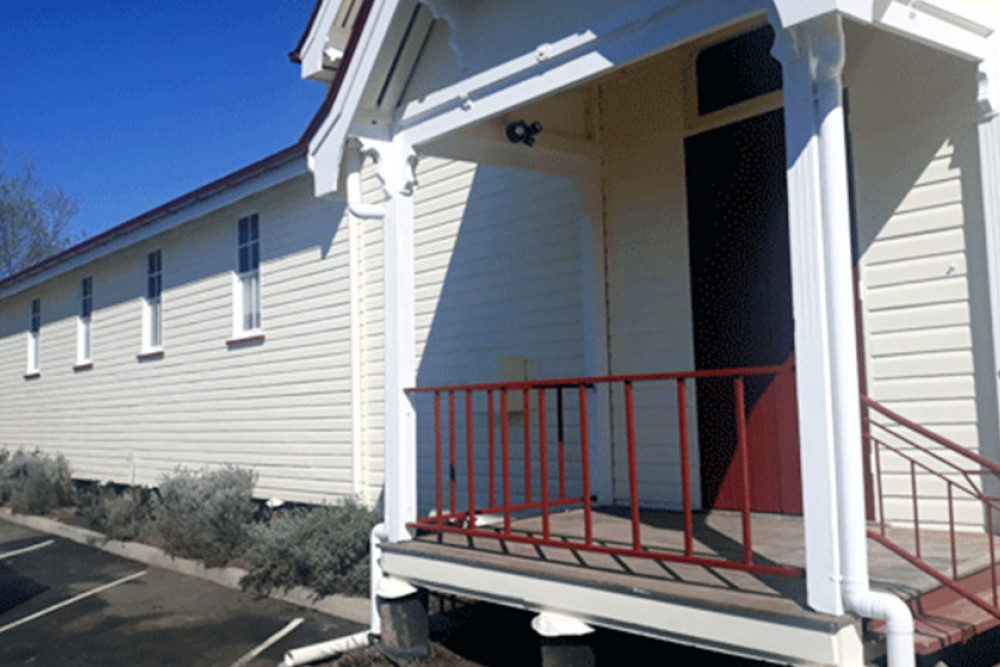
795, 12
189, 213
311, 55
962, 34
614, 41
753, 635
327, 147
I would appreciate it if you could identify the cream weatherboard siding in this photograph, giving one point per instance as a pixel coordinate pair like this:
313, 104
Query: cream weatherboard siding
498, 273
649, 298
281, 407
920, 242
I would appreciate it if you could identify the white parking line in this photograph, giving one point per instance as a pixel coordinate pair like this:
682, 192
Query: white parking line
271, 641
66, 603
18, 552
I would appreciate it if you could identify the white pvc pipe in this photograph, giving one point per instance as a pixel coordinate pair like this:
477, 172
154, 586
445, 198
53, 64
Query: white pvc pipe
327, 649
355, 200
858, 597
380, 534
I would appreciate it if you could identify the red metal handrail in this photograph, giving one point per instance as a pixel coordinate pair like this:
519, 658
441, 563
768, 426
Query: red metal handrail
888, 433
452, 519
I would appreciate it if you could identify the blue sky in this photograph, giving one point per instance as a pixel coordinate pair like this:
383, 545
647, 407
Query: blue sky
128, 104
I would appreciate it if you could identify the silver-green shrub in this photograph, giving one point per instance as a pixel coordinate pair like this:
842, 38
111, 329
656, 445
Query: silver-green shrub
324, 548
124, 515
204, 514
35, 483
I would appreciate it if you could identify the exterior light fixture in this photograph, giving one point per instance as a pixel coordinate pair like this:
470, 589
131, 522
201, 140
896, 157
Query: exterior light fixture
521, 132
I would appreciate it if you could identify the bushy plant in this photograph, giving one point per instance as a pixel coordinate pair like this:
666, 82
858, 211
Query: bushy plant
123, 515
204, 514
35, 483
324, 548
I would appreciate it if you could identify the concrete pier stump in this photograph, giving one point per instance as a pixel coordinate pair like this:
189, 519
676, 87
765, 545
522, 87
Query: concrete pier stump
565, 641
405, 622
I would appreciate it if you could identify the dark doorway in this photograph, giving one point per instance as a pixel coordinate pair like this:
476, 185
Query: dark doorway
742, 310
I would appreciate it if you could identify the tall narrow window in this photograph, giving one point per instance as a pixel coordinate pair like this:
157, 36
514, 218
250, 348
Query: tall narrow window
34, 331
248, 276
83, 323
153, 308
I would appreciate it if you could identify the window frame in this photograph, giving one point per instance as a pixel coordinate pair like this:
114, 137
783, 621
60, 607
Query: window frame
34, 362
247, 300
152, 305
84, 320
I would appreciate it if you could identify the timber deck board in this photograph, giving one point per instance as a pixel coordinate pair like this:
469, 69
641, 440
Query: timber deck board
777, 540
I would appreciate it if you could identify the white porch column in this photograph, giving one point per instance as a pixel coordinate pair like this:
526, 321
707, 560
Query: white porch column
989, 158
812, 345
396, 164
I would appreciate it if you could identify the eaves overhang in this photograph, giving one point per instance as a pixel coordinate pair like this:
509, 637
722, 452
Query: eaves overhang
266, 173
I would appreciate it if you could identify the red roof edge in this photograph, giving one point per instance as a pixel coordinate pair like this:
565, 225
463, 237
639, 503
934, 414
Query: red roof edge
296, 55
261, 166
246, 173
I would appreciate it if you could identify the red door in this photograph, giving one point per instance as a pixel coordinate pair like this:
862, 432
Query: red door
742, 310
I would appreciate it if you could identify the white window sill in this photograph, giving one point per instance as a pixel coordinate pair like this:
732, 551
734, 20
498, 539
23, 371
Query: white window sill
151, 353
252, 337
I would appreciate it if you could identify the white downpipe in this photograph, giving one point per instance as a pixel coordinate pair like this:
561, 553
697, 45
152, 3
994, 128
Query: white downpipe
380, 534
357, 417
858, 597
328, 649
355, 200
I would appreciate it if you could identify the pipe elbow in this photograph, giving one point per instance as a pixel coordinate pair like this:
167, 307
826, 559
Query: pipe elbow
355, 200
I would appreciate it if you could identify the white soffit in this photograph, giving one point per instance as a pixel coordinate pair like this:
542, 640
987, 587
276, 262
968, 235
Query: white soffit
327, 38
955, 27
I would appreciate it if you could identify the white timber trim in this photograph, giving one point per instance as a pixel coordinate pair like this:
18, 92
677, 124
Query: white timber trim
595, 332
812, 353
326, 148
818, 641
624, 36
935, 23
989, 160
397, 164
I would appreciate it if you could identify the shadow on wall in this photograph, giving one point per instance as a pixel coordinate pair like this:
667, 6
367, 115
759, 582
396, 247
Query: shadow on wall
509, 254
913, 123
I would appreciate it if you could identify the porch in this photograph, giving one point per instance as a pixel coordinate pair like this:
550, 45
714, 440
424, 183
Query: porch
508, 513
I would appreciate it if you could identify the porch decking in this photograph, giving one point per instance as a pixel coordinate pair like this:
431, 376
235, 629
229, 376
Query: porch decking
777, 540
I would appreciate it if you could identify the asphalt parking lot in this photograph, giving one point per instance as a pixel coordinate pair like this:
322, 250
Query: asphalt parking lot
63, 603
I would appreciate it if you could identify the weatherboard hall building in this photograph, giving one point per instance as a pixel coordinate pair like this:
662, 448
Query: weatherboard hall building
677, 317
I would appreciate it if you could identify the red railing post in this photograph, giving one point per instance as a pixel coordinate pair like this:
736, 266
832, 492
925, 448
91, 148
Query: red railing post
560, 431
881, 491
633, 474
682, 418
470, 458
505, 458
588, 528
993, 555
527, 446
916, 511
744, 462
492, 426
951, 531
544, 464
451, 450
438, 494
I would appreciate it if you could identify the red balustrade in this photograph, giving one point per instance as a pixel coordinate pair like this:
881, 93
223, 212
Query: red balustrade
571, 413
923, 454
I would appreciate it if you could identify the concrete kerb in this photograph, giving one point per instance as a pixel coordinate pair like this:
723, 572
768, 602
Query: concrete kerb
354, 609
